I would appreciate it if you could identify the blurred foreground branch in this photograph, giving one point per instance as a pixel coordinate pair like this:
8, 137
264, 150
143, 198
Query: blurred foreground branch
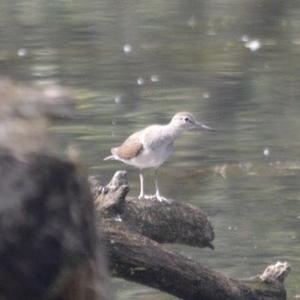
25, 112
49, 245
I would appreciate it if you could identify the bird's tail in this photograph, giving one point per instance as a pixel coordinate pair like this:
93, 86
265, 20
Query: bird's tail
110, 157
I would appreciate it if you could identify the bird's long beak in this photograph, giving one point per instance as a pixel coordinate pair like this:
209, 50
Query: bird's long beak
201, 126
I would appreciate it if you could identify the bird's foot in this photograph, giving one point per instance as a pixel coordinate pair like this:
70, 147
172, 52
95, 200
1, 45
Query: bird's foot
145, 196
163, 199
150, 197
156, 197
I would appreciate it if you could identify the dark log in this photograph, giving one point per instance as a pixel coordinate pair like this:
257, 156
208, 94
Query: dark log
163, 222
132, 236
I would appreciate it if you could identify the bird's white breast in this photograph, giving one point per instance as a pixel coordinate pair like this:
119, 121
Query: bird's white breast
157, 147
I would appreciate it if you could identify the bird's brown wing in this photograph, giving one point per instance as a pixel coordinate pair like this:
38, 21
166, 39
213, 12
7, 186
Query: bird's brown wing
131, 148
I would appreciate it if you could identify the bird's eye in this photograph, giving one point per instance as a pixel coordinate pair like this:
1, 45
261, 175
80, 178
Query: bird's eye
186, 119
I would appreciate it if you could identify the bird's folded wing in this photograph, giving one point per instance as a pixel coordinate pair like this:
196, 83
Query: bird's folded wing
131, 148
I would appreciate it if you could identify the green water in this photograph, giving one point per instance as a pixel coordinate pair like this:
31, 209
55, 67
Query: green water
234, 64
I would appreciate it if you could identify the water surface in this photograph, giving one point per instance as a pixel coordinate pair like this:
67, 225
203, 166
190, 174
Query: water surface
234, 64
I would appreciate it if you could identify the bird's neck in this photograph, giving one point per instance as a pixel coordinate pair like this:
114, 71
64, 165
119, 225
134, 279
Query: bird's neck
173, 130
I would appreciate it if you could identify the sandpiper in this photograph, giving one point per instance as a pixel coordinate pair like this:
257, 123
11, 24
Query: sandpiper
152, 146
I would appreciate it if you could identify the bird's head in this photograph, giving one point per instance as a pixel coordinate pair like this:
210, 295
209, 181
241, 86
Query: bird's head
186, 121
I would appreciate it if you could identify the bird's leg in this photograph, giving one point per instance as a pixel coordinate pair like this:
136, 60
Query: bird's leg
158, 196
142, 193
157, 193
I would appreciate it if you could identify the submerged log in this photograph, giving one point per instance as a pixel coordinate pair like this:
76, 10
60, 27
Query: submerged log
134, 231
139, 259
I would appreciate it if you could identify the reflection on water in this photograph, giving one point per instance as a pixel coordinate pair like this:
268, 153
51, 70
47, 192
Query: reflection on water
235, 64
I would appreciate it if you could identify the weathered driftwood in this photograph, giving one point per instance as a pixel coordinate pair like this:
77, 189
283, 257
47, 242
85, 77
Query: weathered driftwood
136, 255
